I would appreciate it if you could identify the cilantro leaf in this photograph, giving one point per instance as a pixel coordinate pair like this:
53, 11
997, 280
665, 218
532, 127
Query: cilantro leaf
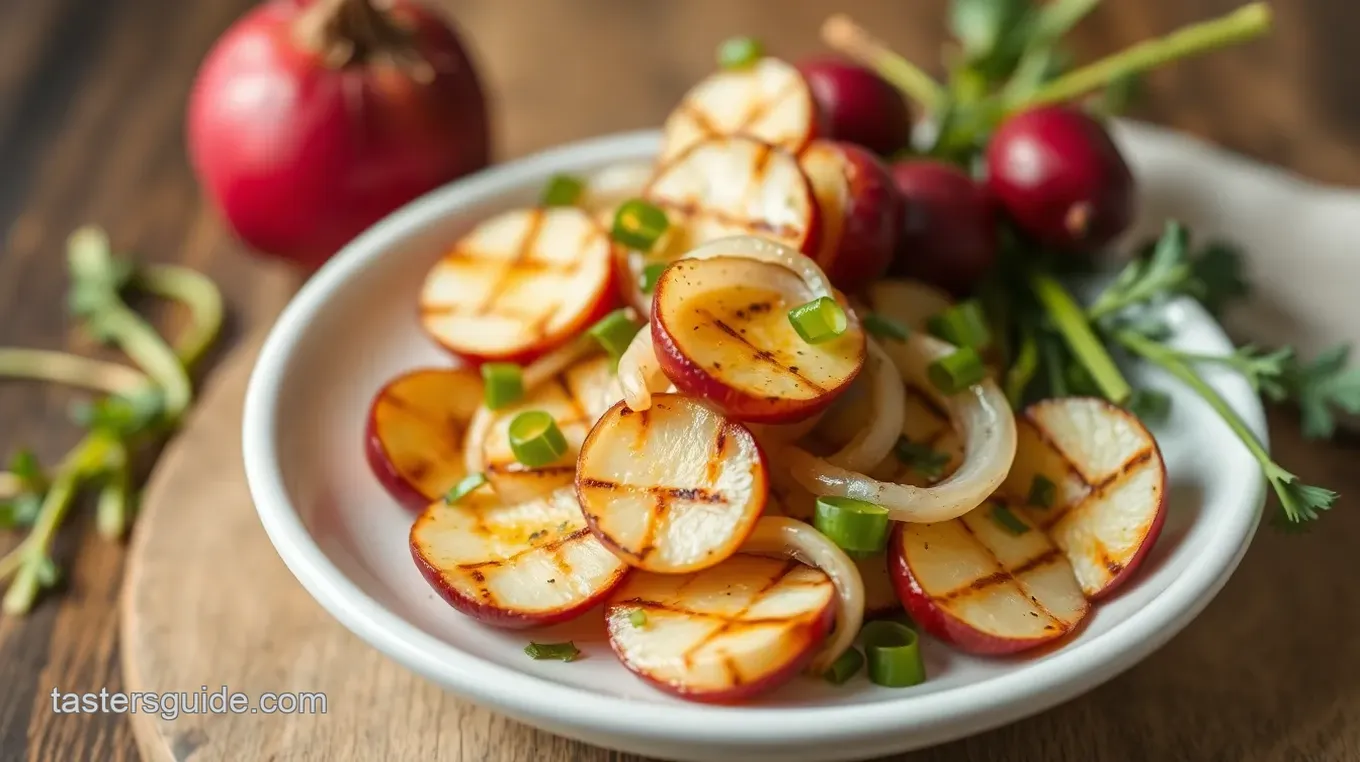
1218, 276
1320, 386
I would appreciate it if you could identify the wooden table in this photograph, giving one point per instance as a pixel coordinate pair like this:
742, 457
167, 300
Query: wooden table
92, 95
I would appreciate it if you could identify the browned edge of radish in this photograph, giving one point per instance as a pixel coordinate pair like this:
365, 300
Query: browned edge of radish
413, 438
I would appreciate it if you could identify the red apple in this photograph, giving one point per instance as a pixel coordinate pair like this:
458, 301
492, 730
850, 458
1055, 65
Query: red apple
1109, 485
723, 634
520, 284
414, 436
722, 332
672, 489
514, 565
860, 212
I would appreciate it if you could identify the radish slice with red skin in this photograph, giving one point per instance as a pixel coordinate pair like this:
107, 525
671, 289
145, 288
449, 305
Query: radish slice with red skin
514, 565
769, 100
520, 284
672, 489
723, 634
415, 431
721, 331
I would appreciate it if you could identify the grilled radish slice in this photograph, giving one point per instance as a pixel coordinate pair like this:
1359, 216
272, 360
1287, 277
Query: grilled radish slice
514, 564
731, 186
671, 489
725, 633
1107, 499
909, 302
519, 284
988, 582
770, 101
611, 186
880, 593
414, 436
721, 331
860, 212
575, 399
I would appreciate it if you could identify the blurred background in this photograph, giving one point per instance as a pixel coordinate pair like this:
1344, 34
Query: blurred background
92, 104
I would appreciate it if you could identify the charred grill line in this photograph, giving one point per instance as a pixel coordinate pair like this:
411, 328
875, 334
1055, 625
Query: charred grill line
736, 618
692, 209
526, 245
760, 354
1000, 577
1096, 491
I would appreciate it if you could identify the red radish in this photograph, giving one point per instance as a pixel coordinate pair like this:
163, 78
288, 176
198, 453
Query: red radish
1109, 485
414, 436
309, 121
1060, 177
860, 212
858, 106
671, 489
949, 226
970, 582
721, 331
514, 565
769, 101
520, 284
723, 634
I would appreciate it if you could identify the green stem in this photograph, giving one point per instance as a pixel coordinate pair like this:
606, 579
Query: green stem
69, 369
1071, 322
1113, 300
842, 34
140, 341
1021, 372
111, 508
1055, 20
1053, 367
10, 485
1243, 24
199, 294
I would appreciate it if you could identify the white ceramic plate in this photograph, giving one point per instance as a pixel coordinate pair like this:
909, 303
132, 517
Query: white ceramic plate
353, 326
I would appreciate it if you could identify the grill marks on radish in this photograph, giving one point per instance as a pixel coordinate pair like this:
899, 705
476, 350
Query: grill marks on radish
723, 633
770, 101
674, 488
415, 432
519, 283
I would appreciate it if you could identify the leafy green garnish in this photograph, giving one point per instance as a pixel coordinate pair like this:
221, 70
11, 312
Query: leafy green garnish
923, 459
1318, 387
560, 651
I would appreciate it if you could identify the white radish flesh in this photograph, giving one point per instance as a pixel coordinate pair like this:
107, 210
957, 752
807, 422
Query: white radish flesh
769, 100
416, 427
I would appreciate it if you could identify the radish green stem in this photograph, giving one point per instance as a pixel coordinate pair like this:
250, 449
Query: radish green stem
1243, 24
196, 292
1055, 20
1021, 372
1071, 322
69, 369
842, 34
111, 508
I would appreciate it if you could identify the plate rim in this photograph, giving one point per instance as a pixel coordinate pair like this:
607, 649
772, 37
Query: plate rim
896, 723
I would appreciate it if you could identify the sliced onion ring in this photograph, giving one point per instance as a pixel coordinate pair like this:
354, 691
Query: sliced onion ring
782, 536
983, 420
765, 250
888, 406
640, 373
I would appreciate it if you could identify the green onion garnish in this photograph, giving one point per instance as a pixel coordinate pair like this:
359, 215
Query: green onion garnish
1008, 521
854, 525
921, 458
819, 320
963, 325
1150, 405
535, 439
955, 372
846, 666
561, 651
504, 384
650, 275
894, 654
1042, 490
562, 190
465, 486
885, 328
615, 332
740, 52
639, 225
637, 618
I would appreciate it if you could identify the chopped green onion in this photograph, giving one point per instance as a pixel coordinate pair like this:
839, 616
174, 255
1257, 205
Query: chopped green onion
928, 462
894, 654
650, 275
615, 332
1150, 405
854, 525
535, 439
740, 52
503, 384
885, 328
1008, 521
846, 666
1042, 491
963, 325
819, 320
465, 486
637, 618
562, 190
561, 651
639, 225
955, 372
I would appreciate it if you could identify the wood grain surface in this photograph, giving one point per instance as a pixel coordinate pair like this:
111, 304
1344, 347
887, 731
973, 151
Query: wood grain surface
91, 101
